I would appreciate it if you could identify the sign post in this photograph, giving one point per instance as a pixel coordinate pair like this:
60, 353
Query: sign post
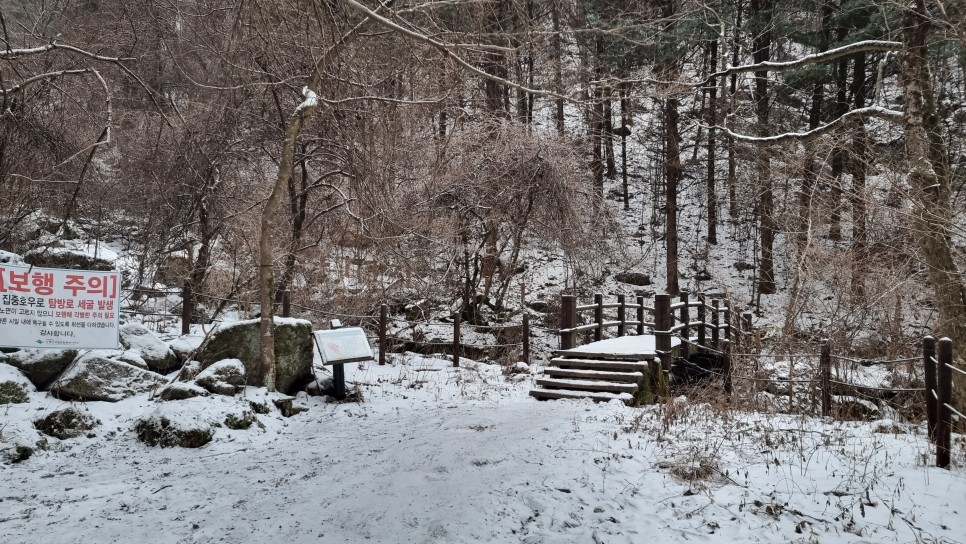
340, 346
55, 308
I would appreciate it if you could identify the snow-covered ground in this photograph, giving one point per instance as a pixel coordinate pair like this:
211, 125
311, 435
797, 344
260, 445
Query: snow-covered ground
441, 454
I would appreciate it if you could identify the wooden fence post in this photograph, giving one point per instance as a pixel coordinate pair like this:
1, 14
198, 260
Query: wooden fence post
640, 315
621, 315
727, 320
383, 325
456, 339
727, 367
662, 322
599, 317
825, 378
715, 321
685, 320
526, 338
703, 318
187, 303
568, 320
944, 377
931, 391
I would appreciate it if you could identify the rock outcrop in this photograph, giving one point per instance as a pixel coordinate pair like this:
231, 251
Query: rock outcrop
156, 354
95, 377
293, 351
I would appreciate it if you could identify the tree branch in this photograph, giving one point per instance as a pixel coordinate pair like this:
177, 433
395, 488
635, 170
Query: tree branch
11, 54
448, 51
826, 56
871, 111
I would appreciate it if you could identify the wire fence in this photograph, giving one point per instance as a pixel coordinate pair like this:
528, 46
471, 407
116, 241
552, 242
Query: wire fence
386, 339
728, 332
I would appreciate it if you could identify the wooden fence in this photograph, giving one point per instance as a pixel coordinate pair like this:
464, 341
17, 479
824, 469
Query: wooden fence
713, 323
385, 341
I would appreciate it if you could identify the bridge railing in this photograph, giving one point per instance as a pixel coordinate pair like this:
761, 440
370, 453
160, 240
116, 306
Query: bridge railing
713, 324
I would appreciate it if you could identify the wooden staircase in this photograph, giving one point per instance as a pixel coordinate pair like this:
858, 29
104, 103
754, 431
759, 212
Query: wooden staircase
601, 377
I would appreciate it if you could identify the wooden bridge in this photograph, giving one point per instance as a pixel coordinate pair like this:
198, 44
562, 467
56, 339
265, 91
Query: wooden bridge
614, 365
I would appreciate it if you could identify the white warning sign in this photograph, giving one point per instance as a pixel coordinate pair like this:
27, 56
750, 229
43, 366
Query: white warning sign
55, 308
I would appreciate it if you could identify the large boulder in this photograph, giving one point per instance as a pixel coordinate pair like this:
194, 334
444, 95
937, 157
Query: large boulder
225, 377
19, 440
66, 423
95, 377
40, 366
155, 353
15, 388
182, 391
188, 423
158, 430
633, 278
240, 340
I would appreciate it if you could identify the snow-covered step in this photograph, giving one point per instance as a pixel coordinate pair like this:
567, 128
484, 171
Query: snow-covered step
583, 353
588, 385
597, 364
632, 377
544, 394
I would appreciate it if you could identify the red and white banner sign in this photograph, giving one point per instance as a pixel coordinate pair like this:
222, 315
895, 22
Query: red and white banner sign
54, 308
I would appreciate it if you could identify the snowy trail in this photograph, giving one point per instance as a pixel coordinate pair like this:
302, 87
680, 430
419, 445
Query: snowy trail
444, 455
455, 473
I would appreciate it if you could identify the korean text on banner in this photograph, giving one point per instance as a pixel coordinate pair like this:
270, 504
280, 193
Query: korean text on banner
54, 308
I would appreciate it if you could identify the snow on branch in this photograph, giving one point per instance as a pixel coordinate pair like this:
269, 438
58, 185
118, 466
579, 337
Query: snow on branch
448, 50
42, 77
11, 54
311, 100
861, 113
825, 56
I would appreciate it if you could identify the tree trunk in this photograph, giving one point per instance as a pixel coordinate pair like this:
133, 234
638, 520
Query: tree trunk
625, 128
673, 171
929, 180
298, 201
597, 128
732, 90
266, 277
859, 168
762, 13
839, 153
812, 167
712, 194
558, 103
608, 130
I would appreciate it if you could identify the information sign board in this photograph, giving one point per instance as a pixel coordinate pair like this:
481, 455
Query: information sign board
339, 346
55, 308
